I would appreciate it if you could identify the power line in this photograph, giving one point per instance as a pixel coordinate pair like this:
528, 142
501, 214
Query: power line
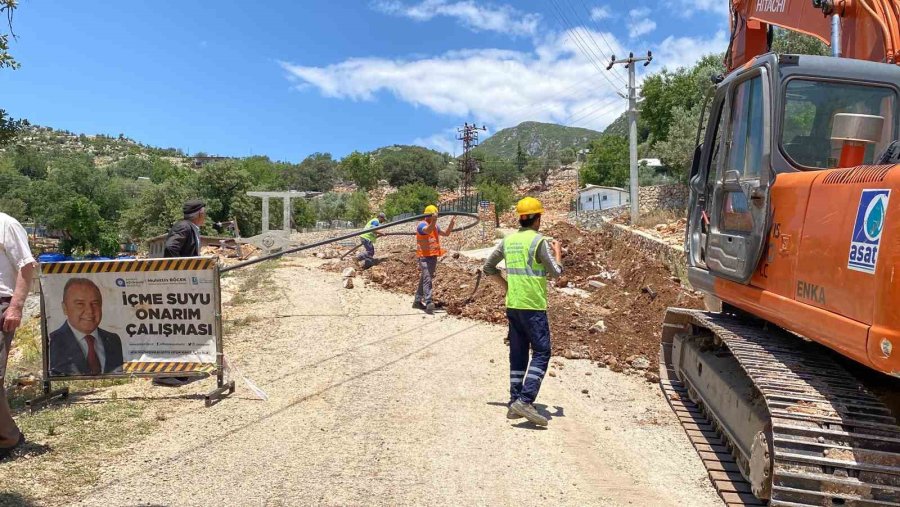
600, 31
587, 35
581, 46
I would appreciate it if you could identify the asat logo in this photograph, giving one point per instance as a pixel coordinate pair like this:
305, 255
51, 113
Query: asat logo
120, 282
874, 218
871, 215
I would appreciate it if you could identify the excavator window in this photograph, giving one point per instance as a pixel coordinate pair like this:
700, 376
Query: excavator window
809, 110
744, 157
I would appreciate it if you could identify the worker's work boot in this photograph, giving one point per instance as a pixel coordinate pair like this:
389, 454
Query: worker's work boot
417, 305
528, 411
511, 414
430, 309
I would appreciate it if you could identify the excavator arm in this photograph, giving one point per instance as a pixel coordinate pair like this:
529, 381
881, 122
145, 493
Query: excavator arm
860, 29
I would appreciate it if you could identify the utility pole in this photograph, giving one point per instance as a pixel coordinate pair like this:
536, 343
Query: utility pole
468, 134
632, 124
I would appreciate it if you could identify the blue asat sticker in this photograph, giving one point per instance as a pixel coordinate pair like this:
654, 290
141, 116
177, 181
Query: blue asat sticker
867, 230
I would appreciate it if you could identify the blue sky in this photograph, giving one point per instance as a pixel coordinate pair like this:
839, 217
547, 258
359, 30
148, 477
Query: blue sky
289, 78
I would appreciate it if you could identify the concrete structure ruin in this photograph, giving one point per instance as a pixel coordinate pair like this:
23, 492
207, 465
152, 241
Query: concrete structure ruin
272, 241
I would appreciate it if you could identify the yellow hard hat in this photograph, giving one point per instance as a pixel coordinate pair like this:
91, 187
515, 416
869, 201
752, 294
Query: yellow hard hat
431, 209
529, 206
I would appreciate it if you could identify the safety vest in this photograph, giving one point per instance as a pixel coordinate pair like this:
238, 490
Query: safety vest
525, 276
371, 236
428, 245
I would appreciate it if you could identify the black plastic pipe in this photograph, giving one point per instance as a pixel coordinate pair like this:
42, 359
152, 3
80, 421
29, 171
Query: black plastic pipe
348, 236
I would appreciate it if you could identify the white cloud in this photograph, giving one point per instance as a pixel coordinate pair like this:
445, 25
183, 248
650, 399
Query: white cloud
674, 52
638, 22
601, 13
475, 16
444, 142
552, 82
689, 7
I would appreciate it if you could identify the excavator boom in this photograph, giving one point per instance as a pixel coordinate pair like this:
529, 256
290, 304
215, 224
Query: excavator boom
859, 29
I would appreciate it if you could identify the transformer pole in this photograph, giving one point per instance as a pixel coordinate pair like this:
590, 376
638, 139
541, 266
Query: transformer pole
468, 134
632, 125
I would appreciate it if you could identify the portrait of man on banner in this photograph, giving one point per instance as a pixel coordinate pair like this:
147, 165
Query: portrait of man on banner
79, 347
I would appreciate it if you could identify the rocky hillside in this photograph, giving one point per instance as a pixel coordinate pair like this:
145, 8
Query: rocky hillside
535, 138
103, 148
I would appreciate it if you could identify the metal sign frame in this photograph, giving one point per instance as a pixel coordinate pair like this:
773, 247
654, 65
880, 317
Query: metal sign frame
77, 267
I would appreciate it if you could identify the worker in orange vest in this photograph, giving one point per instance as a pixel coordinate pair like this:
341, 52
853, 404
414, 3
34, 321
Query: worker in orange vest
428, 249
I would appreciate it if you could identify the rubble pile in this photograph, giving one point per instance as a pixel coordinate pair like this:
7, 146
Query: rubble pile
608, 307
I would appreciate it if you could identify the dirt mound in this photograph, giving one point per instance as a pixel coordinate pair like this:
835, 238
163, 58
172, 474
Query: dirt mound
608, 306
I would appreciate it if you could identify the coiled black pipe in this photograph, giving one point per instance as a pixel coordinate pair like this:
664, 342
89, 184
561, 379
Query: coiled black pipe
353, 235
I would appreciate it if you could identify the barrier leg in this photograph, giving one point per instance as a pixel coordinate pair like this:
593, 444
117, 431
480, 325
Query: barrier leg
48, 396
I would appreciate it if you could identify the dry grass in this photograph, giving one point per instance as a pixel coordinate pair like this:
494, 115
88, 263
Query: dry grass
653, 218
252, 282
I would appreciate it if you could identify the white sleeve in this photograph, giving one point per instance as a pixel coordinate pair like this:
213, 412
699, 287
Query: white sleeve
15, 243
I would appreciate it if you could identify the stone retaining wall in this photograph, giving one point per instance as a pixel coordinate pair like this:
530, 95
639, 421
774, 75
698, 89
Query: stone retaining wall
663, 197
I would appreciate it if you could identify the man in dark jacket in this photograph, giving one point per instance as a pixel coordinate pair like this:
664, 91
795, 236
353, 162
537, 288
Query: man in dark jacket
80, 346
184, 236
184, 241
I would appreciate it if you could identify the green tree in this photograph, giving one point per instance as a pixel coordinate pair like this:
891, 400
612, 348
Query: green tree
221, 184
662, 92
502, 172
521, 158
677, 152
331, 206
410, 199
8, 126
162, 170
449, 178
361, 169
567, 156
13, 206
607, 163
304, 213
132, 167
264, 174
154, 212
317, 173
358, 210
501, 195
30, 162
796, 43
405, 165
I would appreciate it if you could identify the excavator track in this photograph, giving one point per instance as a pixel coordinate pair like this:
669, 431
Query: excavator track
832, 442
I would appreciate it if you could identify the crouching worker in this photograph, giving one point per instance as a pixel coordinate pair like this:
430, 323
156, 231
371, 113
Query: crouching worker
528, 264
366, 258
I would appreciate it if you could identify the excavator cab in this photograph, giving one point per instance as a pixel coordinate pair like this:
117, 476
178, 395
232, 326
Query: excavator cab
776, 115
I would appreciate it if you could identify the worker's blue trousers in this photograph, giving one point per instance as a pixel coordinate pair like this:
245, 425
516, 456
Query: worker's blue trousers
528, 330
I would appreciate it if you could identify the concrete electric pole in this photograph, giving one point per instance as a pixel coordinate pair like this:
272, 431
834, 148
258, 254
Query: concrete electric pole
632, 124
468, 134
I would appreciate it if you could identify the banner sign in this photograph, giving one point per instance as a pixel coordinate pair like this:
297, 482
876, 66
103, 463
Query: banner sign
150, 316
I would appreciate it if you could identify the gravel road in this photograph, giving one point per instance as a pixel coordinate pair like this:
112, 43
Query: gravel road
373, 403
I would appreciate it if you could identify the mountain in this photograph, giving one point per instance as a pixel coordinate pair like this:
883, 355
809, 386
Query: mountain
536, 138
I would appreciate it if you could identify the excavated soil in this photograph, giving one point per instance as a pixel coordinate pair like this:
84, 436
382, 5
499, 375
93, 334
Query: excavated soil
608, 306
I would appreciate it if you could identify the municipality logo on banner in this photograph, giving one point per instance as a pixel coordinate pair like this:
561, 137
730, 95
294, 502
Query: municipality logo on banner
867, 230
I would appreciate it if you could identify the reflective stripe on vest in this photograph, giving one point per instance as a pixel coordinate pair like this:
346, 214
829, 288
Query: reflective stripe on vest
525, 276
428, 245
370, 236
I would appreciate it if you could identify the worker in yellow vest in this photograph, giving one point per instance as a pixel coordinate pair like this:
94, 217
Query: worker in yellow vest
366, 258
428, 249
528, 264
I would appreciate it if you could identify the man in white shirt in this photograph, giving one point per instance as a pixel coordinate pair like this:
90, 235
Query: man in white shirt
16, 271
79, 346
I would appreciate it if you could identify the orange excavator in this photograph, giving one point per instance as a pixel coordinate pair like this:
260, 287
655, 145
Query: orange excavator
793, 236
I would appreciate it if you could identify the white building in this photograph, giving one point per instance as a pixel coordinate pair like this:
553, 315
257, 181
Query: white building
596, 197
